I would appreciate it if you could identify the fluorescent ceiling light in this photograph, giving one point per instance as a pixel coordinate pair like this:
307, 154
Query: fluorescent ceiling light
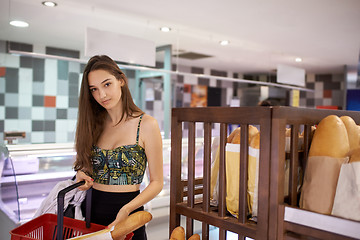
298, 59
165, 29
18, 23
49, 4
224, 42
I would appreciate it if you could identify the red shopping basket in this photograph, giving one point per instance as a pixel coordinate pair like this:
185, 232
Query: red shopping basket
54, 227
45, 228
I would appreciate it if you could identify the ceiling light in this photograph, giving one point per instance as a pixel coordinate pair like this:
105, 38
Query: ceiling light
298, 59
224, 42
49, 4
18, 23
165, 29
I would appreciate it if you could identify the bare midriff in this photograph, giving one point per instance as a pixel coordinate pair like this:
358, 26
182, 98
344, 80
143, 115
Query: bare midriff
116, 188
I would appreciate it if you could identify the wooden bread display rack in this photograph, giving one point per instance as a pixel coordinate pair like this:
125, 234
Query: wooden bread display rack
279, 216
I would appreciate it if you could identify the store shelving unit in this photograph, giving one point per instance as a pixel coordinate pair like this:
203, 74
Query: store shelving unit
279, 216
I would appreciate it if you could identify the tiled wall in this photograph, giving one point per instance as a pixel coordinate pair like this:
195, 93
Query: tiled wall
329, 91
40, 96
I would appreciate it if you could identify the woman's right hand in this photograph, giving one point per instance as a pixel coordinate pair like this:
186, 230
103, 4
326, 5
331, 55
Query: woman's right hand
80, 175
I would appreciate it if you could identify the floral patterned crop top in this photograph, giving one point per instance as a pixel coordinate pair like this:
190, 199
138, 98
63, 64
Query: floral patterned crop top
124, 165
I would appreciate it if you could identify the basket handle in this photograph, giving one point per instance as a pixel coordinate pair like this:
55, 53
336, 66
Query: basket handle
60, 211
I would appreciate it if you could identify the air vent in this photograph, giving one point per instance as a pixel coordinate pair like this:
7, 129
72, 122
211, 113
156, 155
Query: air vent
191, 55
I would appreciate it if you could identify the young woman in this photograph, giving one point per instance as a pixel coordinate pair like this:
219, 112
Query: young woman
115, 141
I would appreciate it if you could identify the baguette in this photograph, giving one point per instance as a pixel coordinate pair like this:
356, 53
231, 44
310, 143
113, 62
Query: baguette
352, 131
236, 137
178, 233
330, 138
255, 141
195, 237
130, 224
355, 155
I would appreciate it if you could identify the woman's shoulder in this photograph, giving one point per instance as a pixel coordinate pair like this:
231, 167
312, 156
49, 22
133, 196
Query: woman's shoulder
148, 121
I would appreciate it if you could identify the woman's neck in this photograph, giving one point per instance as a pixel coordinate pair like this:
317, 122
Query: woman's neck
114, 118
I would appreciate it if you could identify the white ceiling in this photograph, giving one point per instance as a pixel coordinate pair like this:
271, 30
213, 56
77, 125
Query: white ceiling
262, 33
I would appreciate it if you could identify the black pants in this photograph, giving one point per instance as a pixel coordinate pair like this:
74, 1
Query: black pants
106, 205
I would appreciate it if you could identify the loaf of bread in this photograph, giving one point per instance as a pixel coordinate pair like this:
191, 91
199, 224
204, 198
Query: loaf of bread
130, 224
255, 141
288, 132
330, 138
178, 233
355, 155
194, 237
235, 136
352, 131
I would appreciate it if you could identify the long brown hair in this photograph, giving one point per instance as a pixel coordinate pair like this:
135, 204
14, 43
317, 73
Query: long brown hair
91, 115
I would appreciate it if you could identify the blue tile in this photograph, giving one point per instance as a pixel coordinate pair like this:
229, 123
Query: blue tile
2, 99
11, 113
12, 80
63, 69
38, 70
1, 126
24, 113
62, 88
74, 67
2, 85
73, 91
38, 100
72, 113
26, 62
37, 125
38, 88
74, 79
73, 101
49, 126
50, 113
2, 46
50, 137
11, 99
203, 81
82, 67
61, 113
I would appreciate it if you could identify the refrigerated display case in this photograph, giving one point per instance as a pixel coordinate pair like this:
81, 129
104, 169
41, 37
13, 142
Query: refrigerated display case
29, 172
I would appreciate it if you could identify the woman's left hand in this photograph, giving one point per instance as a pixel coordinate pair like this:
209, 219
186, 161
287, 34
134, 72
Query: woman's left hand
122, 214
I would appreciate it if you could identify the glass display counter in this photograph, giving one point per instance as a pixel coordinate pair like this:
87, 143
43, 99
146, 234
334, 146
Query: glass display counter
29, 172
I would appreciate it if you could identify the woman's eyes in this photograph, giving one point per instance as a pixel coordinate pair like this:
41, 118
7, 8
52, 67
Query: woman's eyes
107, 84
92, 89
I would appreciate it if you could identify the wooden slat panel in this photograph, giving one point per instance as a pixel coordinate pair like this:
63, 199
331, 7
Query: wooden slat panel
207, 167
277, 172
175, 180
191, 177
222, 171
206, 177
264, 178
294, 160
243, 171
212, 218
222, 178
